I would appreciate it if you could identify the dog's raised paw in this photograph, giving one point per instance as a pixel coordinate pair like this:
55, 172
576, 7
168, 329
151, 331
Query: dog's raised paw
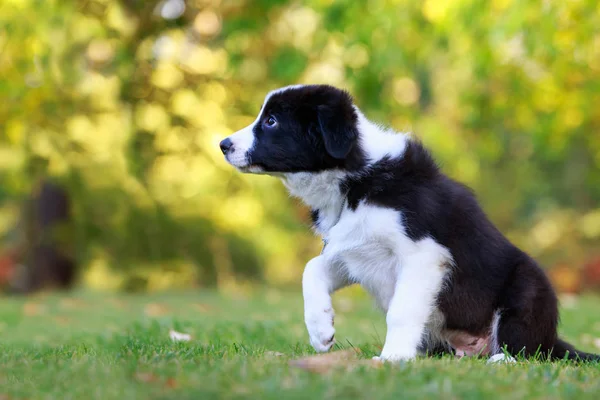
321, 330
322, 346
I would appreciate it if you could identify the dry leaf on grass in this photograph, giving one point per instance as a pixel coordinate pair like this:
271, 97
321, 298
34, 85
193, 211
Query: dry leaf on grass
31, 309
171, 383
146, 377
179, 337
149, 377
323, 363
274, 354
155, 310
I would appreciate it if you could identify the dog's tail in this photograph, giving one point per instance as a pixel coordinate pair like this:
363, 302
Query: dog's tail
563, 350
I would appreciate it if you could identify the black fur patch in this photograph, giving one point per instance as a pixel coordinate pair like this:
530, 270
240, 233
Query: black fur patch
490, 273
316, 131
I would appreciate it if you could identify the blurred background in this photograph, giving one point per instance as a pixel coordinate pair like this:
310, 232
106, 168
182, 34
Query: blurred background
111, 112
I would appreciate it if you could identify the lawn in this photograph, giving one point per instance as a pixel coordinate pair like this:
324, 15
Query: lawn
90, 345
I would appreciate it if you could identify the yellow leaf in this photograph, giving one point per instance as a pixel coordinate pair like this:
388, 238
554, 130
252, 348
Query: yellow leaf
324, 363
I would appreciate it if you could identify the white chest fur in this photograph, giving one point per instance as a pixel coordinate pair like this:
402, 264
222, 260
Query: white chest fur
368, 244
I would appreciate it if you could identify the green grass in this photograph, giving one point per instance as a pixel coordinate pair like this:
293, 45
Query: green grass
83, 346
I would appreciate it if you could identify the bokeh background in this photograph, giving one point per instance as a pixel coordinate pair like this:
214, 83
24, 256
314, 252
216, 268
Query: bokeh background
121, 105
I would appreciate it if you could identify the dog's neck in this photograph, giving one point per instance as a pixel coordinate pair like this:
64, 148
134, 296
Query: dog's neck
322, 191
378, 142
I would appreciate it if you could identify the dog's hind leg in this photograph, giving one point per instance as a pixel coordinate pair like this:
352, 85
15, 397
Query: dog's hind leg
528, 314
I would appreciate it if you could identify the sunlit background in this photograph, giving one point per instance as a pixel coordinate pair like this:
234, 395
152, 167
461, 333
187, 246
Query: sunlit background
122, 104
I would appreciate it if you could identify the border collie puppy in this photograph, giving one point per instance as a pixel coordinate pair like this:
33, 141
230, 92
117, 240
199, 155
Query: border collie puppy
416, 240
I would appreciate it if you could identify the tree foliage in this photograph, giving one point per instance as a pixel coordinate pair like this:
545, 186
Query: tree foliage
125, 101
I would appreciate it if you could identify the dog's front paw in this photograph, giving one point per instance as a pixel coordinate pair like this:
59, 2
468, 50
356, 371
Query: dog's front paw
320, 329
396, 356
501, 358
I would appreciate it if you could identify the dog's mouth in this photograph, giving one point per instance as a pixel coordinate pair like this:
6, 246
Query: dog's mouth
241, 163
246, 166
245, 169
251, 169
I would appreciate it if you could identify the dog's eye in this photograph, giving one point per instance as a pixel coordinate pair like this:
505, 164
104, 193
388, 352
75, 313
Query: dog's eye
271, 121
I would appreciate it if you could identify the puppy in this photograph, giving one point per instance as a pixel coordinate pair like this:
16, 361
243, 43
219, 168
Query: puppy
392, 222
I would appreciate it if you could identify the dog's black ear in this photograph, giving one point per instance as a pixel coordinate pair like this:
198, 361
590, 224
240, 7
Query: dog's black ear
337, 121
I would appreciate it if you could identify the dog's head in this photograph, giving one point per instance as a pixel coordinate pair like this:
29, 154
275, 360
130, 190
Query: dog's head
299, 129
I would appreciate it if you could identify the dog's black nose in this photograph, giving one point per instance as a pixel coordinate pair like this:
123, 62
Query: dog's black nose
225, 145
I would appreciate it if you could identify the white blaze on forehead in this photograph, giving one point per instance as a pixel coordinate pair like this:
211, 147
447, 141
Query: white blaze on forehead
277, 91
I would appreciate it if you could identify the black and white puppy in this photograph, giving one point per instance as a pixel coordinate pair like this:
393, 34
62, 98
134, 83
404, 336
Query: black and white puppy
418, 241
